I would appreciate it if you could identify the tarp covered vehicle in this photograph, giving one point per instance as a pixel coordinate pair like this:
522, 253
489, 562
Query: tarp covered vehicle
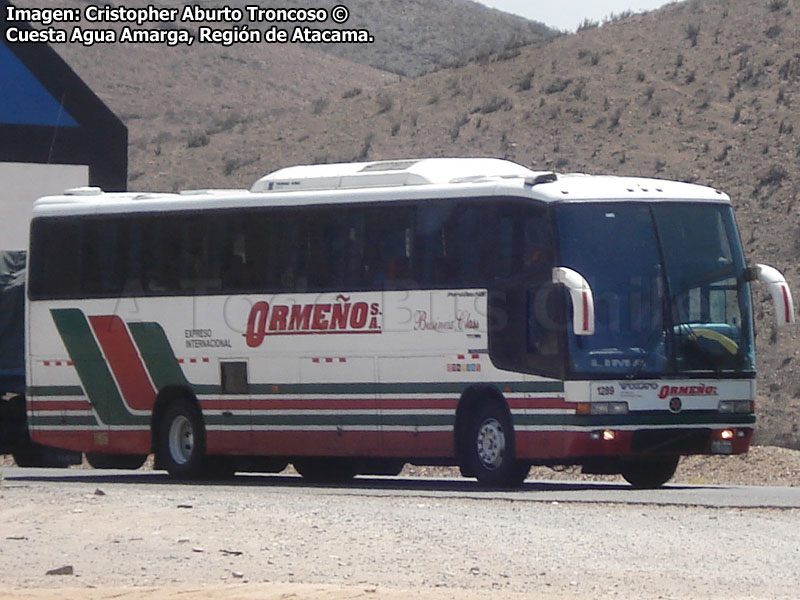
14, 438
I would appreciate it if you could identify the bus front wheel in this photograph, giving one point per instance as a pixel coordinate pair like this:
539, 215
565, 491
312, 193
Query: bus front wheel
181, 440
649, 473
488, 449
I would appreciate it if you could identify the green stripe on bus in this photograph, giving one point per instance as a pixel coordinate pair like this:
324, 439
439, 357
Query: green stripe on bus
54, 390
62, 420
157, 354
161, 362
418, 420
91, 366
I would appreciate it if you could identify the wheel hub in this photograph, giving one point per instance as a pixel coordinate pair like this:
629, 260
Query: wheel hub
181, 440
491, 444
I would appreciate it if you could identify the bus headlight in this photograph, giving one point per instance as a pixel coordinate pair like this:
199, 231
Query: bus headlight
607, 435
736, 406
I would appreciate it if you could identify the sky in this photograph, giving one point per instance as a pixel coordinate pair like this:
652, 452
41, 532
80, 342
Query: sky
566, 15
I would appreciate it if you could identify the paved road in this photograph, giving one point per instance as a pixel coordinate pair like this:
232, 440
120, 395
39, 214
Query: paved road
444, 537
532, 491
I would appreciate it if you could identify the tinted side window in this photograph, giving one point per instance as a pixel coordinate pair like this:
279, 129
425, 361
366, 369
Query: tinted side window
524, 239
338, 249
389, 252
525, 320
425, 245
55, 258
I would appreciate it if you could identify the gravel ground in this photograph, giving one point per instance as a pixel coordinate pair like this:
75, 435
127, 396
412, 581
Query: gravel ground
243, 542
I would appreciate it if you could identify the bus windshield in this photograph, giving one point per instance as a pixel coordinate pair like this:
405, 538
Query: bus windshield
669, 286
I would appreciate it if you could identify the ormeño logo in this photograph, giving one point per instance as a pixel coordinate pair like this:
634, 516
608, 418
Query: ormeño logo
341, 316
687, 390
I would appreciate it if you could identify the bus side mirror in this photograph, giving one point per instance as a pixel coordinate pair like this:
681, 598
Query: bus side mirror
582, 299
778, 289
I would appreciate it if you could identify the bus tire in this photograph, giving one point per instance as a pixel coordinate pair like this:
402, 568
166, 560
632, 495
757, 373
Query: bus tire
488, 448
181, 440
649, 473
129, 462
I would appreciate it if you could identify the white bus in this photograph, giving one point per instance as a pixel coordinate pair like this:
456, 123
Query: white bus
352, 318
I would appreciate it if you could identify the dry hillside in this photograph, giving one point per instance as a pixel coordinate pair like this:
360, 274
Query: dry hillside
705, 91
417, 36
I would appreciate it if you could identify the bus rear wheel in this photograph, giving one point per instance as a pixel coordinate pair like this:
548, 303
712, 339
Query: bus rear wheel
181, 440
115, 461
488, 449
649, 473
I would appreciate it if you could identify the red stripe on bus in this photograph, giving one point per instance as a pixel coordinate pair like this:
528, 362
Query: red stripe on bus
72, 439
96, 440
585, 311
225, 404
313, 443
435, 444
124, 362
540, 403
58, 405
419, 403
786, 305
